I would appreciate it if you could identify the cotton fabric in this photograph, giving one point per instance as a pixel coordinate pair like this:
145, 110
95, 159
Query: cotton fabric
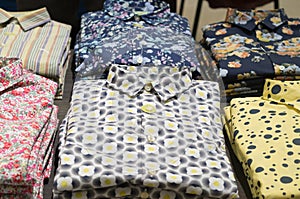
42, 44
28, 122
264, 134
144, 132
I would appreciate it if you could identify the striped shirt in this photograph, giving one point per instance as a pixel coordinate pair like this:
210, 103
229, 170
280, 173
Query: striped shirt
40, 42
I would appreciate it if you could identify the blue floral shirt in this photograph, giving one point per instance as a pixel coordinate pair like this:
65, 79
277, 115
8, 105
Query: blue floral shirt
154, 12
122, 16
147, 46
255, 43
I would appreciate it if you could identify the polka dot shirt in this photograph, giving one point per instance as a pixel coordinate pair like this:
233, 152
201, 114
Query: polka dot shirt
265, 135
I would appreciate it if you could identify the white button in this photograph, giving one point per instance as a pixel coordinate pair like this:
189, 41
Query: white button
144, 195
139, 59
148, 87
151, 172
150, 138
137, 18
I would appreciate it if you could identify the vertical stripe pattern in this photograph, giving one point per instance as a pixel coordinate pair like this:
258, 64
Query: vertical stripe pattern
40, 42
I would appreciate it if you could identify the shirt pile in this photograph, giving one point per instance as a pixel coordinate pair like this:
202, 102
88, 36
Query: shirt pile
264, 134
147, 46
41, 43
28, 122
139, 125
250, 46
144, 132
133, 32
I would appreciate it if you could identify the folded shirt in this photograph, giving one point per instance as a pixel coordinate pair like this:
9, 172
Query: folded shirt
251, 43
264, 134
144, 131
28, 121
119, 17
147, 46
42, 44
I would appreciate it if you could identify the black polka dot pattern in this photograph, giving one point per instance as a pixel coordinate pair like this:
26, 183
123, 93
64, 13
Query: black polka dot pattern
276, 89
269, 145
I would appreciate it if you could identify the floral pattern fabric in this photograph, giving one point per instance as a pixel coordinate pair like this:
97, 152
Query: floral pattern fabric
264, 134
28, 120
144, 132
142, 47
95, 26
153, 12
256, 43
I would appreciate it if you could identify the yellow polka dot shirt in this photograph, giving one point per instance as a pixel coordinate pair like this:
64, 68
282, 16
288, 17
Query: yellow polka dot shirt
264, 133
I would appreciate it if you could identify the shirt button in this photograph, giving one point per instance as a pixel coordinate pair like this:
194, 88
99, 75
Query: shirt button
137, 18
144, 195
148, 87
151, 172
139, 59
150, 139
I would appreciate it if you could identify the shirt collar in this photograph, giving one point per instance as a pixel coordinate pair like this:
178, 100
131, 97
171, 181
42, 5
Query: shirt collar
153, 12
28, 19
250, 19
282, 92
167, 82
11, 72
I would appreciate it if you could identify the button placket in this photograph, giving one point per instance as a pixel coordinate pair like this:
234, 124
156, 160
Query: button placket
148, 110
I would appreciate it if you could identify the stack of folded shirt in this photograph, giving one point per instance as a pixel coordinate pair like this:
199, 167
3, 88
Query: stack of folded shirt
41, 43
28, 122
147, 46
144, 132
255, 45
264, 134
134, 32
121, 17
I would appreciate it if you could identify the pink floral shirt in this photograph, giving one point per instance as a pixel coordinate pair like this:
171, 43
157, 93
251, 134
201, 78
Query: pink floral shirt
28, 122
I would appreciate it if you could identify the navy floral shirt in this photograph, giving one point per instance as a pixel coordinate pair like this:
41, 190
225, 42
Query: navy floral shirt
154, 12
147, 46
255, 43
122, 16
